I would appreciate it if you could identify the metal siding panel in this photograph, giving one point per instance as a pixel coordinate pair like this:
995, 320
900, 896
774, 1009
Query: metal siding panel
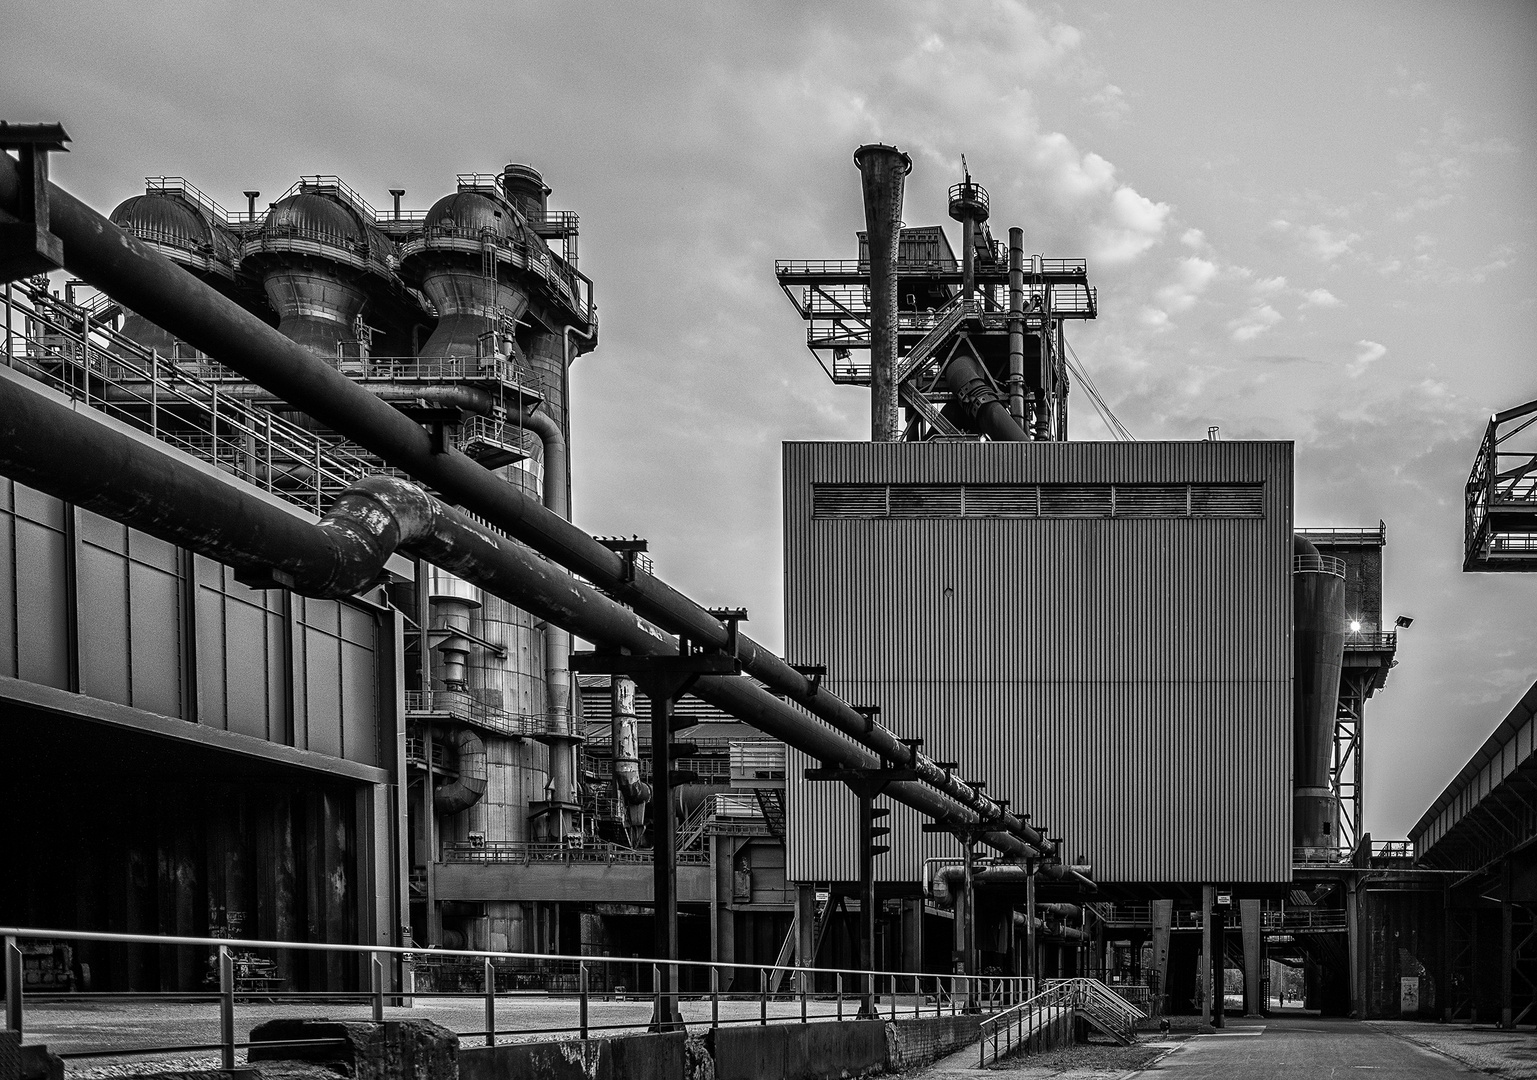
1142, 660
8, 627
154, 638
42, 646
103, 583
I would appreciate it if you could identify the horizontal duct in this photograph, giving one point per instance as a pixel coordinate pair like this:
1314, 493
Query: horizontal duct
1037, 500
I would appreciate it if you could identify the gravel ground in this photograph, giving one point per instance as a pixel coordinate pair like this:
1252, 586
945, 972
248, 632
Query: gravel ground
1511, 1054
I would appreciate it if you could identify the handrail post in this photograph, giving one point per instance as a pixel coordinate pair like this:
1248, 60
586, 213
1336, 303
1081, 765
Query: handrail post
490, 986
13, 980
763, 980
893, 997
838, 981
582, 989
801, 976
714, 997
656, 987
226, 1007
376, 971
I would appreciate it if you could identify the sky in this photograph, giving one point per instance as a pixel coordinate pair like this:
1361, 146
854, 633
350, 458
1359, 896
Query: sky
1306, 221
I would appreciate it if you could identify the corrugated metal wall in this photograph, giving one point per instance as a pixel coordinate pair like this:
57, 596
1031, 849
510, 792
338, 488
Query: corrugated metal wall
91, 606
1115, 677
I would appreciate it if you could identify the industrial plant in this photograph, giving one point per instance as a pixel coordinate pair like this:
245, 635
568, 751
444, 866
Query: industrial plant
298, 643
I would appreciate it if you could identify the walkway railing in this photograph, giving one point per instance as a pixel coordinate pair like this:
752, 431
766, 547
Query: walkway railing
485, 995
1045, 1020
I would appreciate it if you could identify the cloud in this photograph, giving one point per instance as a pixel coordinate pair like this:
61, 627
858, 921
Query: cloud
1194, 275
1321, 298
1254, 322
1136, 224
1318, 241
1367, 353
1193, 238
1270, 285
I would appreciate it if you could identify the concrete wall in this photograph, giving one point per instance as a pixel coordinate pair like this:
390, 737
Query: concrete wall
630, 1057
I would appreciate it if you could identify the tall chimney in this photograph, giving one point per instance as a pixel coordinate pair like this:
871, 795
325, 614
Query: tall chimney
883, 173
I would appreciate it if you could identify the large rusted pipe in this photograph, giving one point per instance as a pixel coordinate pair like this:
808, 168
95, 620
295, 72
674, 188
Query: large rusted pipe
883, 174
74, 454
147, 282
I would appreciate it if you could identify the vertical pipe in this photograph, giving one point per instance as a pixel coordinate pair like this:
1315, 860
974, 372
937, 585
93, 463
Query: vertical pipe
1507, 945
1030, 961
883, 174
664, 853
1016, 326
867, 905
969, 924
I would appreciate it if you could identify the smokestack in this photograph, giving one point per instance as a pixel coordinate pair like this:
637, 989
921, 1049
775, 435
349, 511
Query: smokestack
883, 173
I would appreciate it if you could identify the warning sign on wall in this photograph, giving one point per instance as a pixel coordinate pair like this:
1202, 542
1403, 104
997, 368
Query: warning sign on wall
1409, 995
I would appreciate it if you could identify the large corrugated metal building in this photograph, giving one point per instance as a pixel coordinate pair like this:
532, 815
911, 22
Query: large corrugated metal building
1105, 628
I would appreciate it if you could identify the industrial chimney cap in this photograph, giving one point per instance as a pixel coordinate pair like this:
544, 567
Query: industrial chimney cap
871, 148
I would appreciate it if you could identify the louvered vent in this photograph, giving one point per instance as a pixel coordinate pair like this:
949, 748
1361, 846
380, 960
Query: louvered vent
926, 500
1029, 500
1002, 500
1227, 500
1132, 501
848, 500
1075, 500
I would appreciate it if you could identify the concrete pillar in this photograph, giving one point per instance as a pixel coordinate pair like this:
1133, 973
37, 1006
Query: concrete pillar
1507, 949
1253, 965
805, 925
1203, 969
912, 934
1356, 940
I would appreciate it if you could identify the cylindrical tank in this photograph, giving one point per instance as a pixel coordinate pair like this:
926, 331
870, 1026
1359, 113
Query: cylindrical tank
1318, 585
461, 262
525, 189
312, 251
545, 358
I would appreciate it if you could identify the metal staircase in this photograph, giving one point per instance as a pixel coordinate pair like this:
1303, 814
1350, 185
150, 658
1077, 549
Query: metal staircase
1048, 1019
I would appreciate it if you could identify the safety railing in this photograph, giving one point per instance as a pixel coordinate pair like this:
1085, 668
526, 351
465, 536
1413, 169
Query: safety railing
1371, 640
1318, 564
1046, 1019
463, 705
524, 853
57, 344
480, 994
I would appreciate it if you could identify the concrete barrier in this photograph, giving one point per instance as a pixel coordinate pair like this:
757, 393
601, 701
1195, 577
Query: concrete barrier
621, 1057
911, 1043
827, 1051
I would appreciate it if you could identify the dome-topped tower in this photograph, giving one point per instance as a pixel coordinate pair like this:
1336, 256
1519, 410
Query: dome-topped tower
319, 255
471, 244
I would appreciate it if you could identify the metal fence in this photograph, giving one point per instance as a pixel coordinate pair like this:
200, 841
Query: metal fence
600, 994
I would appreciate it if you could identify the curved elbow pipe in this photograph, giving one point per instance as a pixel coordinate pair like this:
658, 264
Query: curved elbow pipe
965, 379
470, 787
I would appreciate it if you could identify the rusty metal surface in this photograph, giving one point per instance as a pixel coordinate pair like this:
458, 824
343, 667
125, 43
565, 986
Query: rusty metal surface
1118, 674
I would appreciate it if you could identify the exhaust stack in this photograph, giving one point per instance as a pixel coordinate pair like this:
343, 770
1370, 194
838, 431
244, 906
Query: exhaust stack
883, 174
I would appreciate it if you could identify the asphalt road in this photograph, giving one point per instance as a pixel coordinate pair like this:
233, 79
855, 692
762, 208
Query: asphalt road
1293, 1047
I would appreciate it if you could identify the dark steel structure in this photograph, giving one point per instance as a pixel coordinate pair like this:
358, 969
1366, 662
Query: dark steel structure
1501, 496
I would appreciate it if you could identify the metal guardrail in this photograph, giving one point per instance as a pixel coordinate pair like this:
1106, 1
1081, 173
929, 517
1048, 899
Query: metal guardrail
1318, 564
528, 853
1045, 1020
1371, 640
56, 343
729, 990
